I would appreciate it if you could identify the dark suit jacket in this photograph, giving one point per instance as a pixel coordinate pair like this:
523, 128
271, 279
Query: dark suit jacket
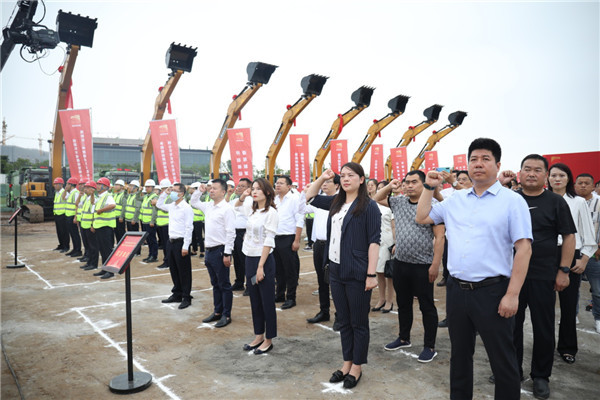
358, 232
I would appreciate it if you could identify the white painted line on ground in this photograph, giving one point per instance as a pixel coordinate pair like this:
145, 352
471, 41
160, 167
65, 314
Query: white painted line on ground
123, 353
305, 256
206, 325
163, 378
335, 388
587, 331
48, 284
308, 273
326, 327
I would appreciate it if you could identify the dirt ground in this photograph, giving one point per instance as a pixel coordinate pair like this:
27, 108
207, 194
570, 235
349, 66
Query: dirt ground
64, 336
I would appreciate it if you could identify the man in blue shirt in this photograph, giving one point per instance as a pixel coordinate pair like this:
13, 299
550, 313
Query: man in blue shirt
483, 224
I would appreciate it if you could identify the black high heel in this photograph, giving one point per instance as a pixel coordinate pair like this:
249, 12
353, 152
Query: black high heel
379, 308
385, 311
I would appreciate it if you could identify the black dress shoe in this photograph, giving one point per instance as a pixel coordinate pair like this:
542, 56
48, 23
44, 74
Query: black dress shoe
146, 259
259, 351
541, 389
84, 266
163, 266
185, 303
288, 304
320, 317
63, 250
337, 376
89, 268
76, 254
100, 273
68, 253
246, 292
57, 248
83, 259
375, 309
107, 275
387, 310
172, 299
212, 317
237, 286
224, 321
279, 299
247, 347
201, 255
441, 282
151, 259
350, 381
443, 323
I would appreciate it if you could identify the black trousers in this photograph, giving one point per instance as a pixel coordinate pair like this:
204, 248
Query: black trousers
219, 279
92, 247
105, 238
84, 239
567, 332
287, 266
151, 239
163, 232
309, 227
410, 281
134, 227
352, 304
445, 260
73, 233
319, 262
198, 236
62, 231
239, 258
262, 297
119, 230
470, 311
181, 270
540, 297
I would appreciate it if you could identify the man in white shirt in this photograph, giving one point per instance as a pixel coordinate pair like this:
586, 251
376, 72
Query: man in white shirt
181, 226
220, 236
291, 210
239, 259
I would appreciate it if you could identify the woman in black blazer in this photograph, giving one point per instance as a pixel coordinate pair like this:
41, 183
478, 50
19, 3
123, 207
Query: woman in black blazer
352, 249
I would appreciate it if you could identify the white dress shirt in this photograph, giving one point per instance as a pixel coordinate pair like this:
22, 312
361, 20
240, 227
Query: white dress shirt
585, 240
291, 210
181, 219
219, 222
261, 228
337, 221
241, 218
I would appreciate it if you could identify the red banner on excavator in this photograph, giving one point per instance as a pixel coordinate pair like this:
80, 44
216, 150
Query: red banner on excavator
77, 133
431, 160
460, 162
339, 154
240, 147
377, 165
299, 167
166, 149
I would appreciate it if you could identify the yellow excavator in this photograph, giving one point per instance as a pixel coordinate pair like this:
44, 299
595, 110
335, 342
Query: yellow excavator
179, 59
362, 99
431, 114
397, 105
258, 75
455, 119
312, 85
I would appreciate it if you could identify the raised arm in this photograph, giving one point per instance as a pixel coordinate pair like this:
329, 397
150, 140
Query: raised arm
312, 190
432, 179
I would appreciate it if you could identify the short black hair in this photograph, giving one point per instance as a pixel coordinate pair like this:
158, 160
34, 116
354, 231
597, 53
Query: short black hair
288, 180
486, 144
181, 187
535, 157
248, 181
459, 173
585, 175
221, 183
417, 172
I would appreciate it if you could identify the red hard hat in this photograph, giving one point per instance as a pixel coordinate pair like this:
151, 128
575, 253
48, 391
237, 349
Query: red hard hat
82, 181
92, 184
104, 181
73, 181
59, 180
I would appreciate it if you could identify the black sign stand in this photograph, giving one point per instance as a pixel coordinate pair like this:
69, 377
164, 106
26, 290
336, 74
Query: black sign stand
131, 382
15, 218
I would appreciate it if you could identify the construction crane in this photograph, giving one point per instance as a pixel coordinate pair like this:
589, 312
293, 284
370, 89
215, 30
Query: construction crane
397, 106
455, 119
258, 75
179, 59
431, 116
312, 85
362, 99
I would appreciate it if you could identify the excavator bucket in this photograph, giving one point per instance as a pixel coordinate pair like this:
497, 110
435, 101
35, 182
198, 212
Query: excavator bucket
75, 29
313, 84
433, 113
362, 96
398, 104
180, 57
259, 72
456, 118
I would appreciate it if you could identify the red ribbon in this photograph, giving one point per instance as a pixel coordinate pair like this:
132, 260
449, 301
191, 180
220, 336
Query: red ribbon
240, 113
341, 117
168, 101
294, 121
378, 133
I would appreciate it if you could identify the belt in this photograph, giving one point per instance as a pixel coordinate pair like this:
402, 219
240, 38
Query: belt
175, 240
215, 247
240, 229
320, 241
466, 285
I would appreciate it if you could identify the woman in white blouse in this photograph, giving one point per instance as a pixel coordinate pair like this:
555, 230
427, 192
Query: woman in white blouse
561, 182
259, 242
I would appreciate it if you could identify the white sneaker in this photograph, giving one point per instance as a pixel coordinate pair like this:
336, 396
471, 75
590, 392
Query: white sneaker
598, 325
315, 293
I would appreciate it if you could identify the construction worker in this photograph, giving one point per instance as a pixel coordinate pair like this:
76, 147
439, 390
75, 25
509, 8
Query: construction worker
80, 200
162, 225
148, 219
70, 194
87, 217
119, 196
104, 223
60, 220
197, 234
130, 212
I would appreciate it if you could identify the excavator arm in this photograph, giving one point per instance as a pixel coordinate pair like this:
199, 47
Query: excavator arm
312, 86
431, 114
455, 119
397, 105
258, 75
362, 99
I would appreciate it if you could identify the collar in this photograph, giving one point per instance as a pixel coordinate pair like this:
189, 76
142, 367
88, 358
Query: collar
494, 189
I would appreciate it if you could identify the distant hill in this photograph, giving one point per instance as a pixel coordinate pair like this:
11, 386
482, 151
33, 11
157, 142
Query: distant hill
15, 152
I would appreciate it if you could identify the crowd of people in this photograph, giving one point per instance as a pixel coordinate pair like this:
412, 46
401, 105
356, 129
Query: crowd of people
502, 248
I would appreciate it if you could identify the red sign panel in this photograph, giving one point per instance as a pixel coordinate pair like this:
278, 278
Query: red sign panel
431, 160
121, 256
460, 162
376, 162
579, 163
77, 133
166, 149
339, 154
399, 160
17, 211
240, 148
299, 168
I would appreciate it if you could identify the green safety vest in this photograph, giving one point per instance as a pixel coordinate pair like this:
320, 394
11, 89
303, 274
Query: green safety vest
146, 209
87, 216
70, 206
198, 215
80, 209
104, 219
130, 207
162, 217
59, 203
119, 200
310, 215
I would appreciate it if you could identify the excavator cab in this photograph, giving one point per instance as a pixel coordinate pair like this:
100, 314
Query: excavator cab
362, 96
433, 113
398, 104
313, 84
180, 57
259, 72
457, 117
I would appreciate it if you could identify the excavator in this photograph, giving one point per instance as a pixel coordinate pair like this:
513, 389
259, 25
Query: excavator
397, 105
312, 85
362, 99
455, 119
258, 75
431, 114
179, 59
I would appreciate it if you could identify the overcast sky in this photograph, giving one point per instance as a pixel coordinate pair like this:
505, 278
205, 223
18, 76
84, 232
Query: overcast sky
527, 73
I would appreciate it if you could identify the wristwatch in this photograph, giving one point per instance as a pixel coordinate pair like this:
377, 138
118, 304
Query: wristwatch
566, 270
426, 186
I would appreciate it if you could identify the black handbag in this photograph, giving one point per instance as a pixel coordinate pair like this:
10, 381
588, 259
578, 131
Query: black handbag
388, 271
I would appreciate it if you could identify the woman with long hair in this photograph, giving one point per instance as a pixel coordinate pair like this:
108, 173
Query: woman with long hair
371, 187
259, 242
561, 182
352, 250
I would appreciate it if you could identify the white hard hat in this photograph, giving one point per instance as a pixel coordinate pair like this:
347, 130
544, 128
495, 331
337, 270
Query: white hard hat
144, 190
165, 183
120, 182
294, 183
150, 182
196, 185
157, 187
231, 183
134, 182
209, 182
